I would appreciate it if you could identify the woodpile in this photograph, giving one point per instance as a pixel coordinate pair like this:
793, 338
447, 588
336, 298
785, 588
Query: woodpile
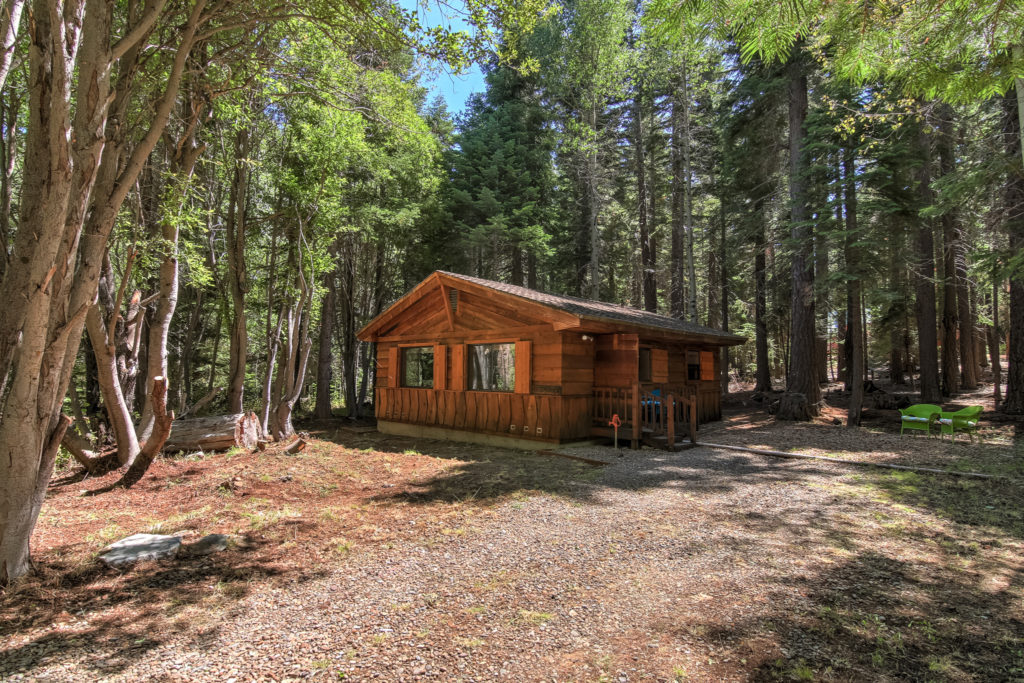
215, 433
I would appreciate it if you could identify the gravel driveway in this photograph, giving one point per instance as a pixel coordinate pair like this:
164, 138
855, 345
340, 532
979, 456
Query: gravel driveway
695, 565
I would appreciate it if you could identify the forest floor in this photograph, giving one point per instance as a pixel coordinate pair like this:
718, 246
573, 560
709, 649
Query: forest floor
367, 556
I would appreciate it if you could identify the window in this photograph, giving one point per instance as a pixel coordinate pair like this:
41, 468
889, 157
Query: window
645, 365
692, 365
418, 366
492, 367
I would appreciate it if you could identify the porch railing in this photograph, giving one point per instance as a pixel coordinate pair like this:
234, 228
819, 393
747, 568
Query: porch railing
649, 410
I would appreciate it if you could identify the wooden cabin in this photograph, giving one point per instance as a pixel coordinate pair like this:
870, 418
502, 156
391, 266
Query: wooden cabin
464, 358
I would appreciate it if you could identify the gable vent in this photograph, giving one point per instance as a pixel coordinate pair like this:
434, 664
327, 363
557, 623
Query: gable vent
453, 299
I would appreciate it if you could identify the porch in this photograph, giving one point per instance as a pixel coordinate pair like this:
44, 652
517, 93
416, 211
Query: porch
658, 415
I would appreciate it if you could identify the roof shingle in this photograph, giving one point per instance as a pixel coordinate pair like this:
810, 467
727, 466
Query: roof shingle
600, 310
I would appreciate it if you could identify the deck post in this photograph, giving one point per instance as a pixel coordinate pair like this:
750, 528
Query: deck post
637, 420
669, 409
693, 420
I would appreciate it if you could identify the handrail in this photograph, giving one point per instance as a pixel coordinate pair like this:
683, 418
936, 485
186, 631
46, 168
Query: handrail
668, 412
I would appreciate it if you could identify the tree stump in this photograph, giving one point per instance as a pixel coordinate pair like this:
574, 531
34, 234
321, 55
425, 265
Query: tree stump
215, 433
793, 406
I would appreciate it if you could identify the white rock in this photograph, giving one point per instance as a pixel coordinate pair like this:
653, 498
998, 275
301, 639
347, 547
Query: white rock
139, 547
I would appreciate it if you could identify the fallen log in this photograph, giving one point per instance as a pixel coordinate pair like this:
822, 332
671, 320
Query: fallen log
215, 433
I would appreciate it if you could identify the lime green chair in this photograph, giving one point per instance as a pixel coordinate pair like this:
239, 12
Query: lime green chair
964, 421
920, 417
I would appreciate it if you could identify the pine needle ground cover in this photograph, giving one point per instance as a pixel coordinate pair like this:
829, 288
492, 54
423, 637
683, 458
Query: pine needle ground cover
367, 556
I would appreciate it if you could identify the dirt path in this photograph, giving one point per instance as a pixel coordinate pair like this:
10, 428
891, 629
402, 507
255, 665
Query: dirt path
700, 565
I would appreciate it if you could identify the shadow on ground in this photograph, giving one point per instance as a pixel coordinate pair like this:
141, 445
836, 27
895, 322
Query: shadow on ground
488, 474
124, 615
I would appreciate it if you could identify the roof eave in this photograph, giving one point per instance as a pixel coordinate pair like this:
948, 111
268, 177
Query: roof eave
718, 339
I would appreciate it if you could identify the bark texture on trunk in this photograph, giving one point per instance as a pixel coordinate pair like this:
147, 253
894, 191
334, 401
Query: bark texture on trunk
237, 278
325, 359
677, 277
648, 284
162, 424
763, 381
924, 287
295, 345
593, 203
803, 379
993, 346
1013, 219
952, 282
853, 292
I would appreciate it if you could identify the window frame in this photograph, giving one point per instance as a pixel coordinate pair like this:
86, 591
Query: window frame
402, 376
690, 366
469, 374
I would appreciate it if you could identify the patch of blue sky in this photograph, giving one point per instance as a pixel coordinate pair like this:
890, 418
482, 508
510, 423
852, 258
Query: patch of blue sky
454, 88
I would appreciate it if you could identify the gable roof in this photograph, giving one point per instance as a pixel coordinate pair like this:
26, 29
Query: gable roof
582, 309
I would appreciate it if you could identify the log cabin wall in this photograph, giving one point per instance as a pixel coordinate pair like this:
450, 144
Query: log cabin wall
617, 360
560, 359
551, 401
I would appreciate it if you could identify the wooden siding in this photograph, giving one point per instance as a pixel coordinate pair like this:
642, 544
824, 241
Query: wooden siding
617, 360
659, 366
577, 359
522, 415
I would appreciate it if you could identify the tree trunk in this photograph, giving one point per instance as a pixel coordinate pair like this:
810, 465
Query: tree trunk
677, 273
10, 108
950, 321
763, 380
802, 379
296, 345
924, 287
951, 275
347, 327
10, 20
691, 266
793, 406
1013, 219
593, 201
183, 163
237, 280
162, 423
993, 344
853, 292
325, 361
723, 263
966, 318
118, 415
648, 285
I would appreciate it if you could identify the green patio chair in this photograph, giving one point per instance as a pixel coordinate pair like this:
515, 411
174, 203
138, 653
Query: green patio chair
964, 421
920, 417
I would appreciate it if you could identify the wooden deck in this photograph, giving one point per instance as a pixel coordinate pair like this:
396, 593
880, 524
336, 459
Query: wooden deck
656, 415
